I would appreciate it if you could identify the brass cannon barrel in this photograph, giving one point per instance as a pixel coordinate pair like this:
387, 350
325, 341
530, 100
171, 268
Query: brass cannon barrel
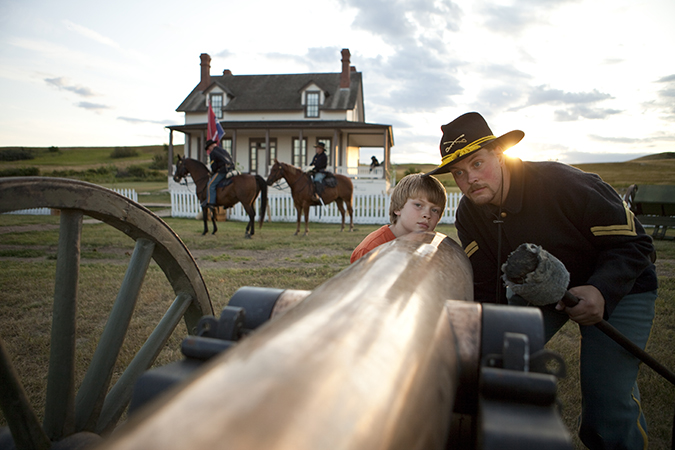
367, 361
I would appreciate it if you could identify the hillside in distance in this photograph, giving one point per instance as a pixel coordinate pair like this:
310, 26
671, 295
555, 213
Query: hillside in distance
651, 169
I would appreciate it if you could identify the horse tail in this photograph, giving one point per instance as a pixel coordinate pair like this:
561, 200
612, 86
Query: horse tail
262, 188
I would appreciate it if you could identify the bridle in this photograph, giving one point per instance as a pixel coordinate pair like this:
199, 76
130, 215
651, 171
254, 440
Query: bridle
196, 182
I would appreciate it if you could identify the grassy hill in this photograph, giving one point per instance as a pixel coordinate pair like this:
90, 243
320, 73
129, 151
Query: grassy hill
147, 163
652, 169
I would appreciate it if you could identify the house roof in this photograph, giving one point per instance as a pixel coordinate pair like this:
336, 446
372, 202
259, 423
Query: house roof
370, 131
276, 92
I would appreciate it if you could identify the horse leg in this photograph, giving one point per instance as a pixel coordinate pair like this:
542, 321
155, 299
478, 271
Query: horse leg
205, 215
297, 228
213, 220
251, 221
306, 208
341, 208
350, 210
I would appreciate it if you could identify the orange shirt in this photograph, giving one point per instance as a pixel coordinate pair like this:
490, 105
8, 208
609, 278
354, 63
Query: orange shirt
376, 238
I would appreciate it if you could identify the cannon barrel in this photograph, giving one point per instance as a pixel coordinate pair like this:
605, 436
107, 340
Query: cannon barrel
368, 360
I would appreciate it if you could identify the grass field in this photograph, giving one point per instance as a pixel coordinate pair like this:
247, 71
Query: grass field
273, 258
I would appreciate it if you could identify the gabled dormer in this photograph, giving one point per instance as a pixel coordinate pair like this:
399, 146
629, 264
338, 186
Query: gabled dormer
312, 99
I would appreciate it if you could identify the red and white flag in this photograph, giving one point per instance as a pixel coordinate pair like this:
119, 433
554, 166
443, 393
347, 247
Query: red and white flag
214, 130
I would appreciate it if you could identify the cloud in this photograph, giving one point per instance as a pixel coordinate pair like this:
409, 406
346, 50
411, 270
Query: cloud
63, 83
96, 37
541, 94
514, 19
401, 21
580, 111
91, 34
644, 142
91, 106
134, 120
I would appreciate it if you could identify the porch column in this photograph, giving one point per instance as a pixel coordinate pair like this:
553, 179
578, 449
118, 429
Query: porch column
385, 145
300, 142
336, 149
234, 146
267, 150
170, 154
200, 150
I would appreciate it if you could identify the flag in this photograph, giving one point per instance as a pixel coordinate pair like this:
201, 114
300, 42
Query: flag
214, 130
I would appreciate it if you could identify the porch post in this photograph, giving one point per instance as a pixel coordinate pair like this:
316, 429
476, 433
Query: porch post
300, 142
336, 149
170, 155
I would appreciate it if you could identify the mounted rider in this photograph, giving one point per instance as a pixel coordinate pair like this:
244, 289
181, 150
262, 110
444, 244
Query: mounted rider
318, 173
222, 167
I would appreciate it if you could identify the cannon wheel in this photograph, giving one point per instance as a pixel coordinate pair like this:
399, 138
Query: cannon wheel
94, 408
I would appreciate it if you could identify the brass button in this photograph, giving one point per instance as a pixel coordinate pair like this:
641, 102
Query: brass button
503, 214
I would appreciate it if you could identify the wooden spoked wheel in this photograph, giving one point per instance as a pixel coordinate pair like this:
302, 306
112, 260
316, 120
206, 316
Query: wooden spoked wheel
95, 408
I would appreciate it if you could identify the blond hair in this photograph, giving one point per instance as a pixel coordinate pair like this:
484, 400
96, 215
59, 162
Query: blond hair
417, 185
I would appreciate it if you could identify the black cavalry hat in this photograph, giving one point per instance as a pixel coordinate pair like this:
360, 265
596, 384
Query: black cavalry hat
320, 145
467, 134
208, 143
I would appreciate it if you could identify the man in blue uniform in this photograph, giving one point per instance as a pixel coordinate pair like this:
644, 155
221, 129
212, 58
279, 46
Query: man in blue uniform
583, 222
319, 163
222, 166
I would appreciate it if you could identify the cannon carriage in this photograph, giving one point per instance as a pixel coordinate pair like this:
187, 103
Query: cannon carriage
390, 353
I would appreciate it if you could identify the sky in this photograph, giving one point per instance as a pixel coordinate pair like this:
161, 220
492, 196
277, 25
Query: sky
586, 80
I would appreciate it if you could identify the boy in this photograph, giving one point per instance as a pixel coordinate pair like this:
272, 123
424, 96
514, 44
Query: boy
417, 204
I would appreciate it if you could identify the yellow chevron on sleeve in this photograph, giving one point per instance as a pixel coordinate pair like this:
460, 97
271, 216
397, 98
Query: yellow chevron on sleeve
471, 249
627, 229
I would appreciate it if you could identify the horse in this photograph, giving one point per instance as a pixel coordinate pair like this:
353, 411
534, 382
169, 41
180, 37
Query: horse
244, 188
302, 190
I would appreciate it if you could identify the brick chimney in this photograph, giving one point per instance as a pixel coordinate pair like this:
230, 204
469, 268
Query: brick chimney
344, 76
206, 71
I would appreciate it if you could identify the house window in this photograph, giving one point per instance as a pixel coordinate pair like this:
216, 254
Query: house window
257, 155
226, 144
217, 105
312, 104
299, 152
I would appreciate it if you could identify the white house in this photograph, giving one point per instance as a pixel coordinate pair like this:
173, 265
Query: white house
283, 117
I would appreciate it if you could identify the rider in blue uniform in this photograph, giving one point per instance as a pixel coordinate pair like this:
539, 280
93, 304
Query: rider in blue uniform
222, 166
319, 163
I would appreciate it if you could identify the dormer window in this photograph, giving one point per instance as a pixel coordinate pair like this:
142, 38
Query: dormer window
217, 105
312, 104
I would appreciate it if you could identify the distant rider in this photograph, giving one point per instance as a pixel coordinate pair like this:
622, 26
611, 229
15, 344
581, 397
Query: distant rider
222, 166
319, 162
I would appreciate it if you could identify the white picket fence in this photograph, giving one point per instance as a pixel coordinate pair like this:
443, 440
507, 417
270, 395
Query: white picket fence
128, 193
368, 209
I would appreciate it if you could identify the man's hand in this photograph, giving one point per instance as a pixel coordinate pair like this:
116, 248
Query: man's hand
591, 305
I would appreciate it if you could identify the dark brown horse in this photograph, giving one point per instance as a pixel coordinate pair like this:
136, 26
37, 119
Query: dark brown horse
302, 190
244, 188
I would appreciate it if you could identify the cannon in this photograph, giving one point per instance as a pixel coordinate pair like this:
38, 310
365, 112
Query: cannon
391, 353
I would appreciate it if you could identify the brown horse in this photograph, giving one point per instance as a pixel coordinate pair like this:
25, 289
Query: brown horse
244, 188
302, 190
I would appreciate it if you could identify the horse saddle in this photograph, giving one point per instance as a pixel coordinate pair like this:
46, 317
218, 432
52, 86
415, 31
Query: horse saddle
330, 180
225, 182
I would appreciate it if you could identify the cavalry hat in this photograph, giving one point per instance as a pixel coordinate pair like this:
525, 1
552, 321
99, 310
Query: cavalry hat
208, 143
320, 145
467, 134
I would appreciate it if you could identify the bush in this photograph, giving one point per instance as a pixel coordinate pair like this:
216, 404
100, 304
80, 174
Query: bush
20, 172
53, 149
411, 170
16, 154
160, 162
123, 152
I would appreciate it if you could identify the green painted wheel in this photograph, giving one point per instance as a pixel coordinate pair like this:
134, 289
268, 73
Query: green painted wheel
94, 407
